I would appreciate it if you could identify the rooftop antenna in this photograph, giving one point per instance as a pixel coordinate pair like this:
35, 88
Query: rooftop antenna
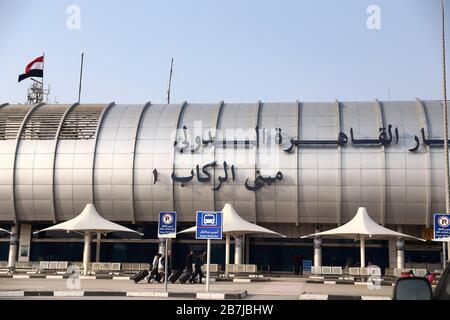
36, 92
170, 82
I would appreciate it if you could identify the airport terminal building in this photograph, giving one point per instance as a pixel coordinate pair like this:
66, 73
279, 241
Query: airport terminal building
292, 167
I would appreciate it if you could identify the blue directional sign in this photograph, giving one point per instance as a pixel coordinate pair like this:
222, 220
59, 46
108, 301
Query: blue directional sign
167, 224
209, 225
441, 225
307, 264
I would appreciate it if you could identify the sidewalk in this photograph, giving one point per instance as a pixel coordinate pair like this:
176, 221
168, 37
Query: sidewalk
288, 287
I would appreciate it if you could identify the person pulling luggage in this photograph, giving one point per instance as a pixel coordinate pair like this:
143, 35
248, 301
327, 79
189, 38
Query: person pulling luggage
155, 263
198, 268
174, 269
160, 274
187, 273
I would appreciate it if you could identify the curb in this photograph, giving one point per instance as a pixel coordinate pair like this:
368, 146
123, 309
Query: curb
97, 277
112, 277
308, 296
64, 276
242, 280
356, 283
73, 293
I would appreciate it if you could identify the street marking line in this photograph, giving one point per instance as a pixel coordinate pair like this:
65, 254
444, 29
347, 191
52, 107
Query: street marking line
343, 297
210, 296
12, 293
307, 296
147, 294
68, 293
375, 298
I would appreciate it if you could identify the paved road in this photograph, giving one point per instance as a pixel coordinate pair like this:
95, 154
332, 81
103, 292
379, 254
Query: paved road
277, 289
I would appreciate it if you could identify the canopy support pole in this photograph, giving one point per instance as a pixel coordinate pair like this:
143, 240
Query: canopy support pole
227, 253
317, 252
86, 252
13, 242
400, 244
444, 257
363, 251
238, 250
98, 247
400, 254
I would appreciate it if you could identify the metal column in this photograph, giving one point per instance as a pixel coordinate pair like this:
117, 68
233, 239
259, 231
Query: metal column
13, 242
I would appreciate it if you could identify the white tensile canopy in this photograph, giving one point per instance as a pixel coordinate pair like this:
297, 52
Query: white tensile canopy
362, 226
235, 226
3, 230
88, 222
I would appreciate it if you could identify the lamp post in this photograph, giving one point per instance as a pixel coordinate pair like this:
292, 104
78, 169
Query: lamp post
444, 89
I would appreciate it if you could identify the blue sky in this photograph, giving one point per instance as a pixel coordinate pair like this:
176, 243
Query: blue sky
234, 50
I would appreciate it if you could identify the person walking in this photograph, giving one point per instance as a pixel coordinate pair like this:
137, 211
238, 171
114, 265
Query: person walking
154, 267
295, 263
298, 264
198, 268
187, 272
174, 267
161, 265
189, 261
301, 263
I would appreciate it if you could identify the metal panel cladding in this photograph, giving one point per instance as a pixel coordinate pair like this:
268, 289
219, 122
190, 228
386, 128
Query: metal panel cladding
285, 163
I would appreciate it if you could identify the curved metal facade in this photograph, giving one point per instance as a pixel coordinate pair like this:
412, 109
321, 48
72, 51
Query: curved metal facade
55, 158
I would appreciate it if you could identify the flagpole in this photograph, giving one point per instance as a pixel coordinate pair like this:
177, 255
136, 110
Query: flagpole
81, 77
170, 82
43, 73
444, 91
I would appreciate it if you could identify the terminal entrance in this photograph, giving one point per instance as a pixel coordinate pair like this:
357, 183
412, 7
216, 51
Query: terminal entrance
269, 255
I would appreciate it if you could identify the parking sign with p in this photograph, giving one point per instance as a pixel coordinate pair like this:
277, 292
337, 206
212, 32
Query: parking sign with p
441, 225
167, 224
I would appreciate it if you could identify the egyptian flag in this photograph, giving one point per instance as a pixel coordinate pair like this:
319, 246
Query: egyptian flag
34, 69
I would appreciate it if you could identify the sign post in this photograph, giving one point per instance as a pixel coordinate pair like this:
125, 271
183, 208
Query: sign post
442, 230
167, 229
208, 226
208, 262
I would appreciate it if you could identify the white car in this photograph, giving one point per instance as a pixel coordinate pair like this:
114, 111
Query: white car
417, 288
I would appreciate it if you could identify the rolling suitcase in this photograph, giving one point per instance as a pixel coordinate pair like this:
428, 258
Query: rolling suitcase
139, 276
175, 275
158, 277
185, 276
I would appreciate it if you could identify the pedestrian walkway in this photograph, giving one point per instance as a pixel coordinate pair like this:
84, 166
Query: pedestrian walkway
287, 287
